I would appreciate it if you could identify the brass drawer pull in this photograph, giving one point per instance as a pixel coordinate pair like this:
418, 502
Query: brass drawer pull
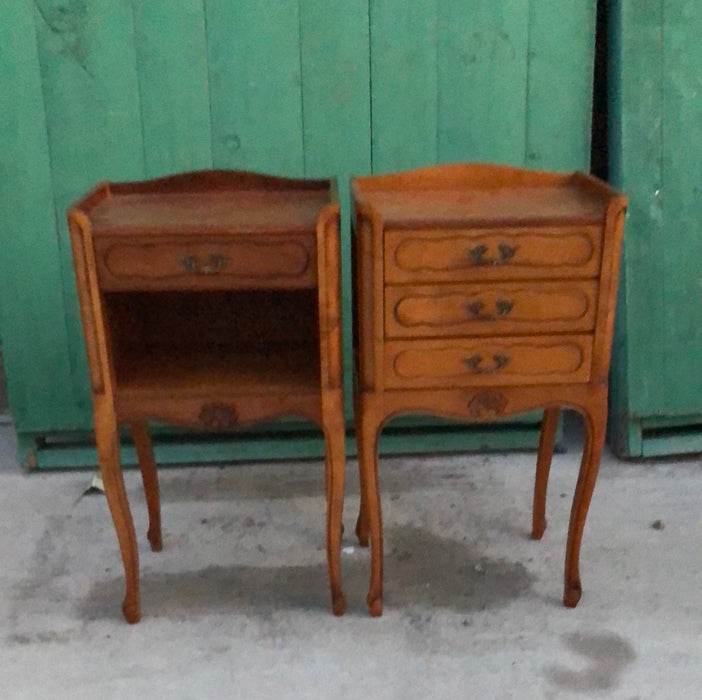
474, 363
215, 263
505, 253
476, 310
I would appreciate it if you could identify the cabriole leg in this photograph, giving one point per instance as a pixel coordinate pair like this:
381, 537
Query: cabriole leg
362, 523
547, 441
595, 427
107, 441
149, 475
335, 472
371, 517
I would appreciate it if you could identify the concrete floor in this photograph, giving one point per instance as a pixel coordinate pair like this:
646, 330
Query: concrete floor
236, 605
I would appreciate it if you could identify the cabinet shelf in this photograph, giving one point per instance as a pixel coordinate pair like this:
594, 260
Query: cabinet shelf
252, 342
218, 369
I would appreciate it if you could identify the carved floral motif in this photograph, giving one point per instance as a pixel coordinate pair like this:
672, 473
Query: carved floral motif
215, 416
487, 404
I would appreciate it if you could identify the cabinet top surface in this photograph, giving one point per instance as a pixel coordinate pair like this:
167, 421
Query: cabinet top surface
245, 211
485, 206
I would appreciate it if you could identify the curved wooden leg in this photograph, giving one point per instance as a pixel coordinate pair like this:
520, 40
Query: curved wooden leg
328, 478
149, 475
335, 437
107, 441
595, 427
362, 523
368, 427
547, 441
327, 469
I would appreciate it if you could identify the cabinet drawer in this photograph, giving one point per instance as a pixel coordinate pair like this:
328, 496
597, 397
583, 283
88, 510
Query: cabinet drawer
488, 361
445, 255
490, 309
213, 262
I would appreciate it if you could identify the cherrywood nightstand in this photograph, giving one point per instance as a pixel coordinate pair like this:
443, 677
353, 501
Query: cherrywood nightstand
483, 291
212, 300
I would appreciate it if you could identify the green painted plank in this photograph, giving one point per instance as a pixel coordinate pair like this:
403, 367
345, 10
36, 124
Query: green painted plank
655, 149
302, 446
482, 64
334, 45
619, 435
561, 58
685, 442
466, 439
404, 96
615, 88
34, 336
194, 451
4, 408
91, 97
27, 450
334, 39
682, 206
671, 422
618, 419
636, 154
171, 49
255, 91
624, 434
418, 421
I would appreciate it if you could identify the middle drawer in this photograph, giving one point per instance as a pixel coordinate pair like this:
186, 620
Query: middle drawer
490, 309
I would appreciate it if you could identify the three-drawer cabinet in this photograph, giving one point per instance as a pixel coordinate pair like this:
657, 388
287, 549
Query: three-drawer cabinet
480, 292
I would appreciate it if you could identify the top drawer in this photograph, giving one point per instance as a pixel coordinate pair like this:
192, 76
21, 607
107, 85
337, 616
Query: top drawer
207, 262
456, 255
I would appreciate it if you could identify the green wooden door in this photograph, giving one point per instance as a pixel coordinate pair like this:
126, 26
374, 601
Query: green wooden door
503, 82
656, 158
130, 89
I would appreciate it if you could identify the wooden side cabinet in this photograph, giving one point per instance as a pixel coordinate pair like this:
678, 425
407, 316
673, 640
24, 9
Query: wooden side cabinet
211, 300
480, 292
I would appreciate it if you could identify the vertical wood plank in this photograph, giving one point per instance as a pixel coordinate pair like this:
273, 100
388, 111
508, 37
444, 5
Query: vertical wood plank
336, 86
482, 80
171, 49
255, 91
560, 78
35, 346
682, 207
91, 96
618, 421
403, 52
636, 153
334, 49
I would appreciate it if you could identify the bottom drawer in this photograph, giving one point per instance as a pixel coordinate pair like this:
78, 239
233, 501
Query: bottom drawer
488, 361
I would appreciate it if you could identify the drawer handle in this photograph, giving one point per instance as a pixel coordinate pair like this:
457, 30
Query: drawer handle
476, 310
505, 253
215, 263
475, 364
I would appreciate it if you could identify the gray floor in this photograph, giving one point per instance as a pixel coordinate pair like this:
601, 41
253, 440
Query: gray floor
236, 604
